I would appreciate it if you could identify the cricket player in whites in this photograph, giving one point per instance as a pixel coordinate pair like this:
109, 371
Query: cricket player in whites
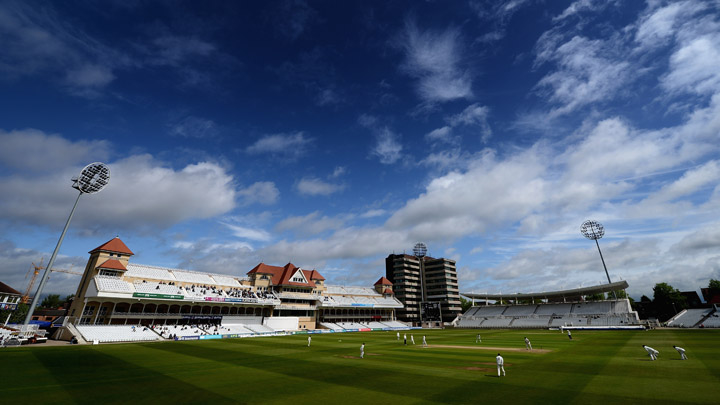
652, 352
362, 350
528, 345
681, 351
500, 364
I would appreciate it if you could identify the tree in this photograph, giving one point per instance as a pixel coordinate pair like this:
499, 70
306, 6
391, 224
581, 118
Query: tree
667, 301
465, 304
595, 297
714, 287
51, 301
619, 293
16, 316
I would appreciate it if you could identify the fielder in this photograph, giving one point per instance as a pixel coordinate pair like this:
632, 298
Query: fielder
405, 339
681, 351
412, 339
500, 364
528, 345
398, 335
424, 342
362, 350
569, 335
309, 340
652, 352
478, 339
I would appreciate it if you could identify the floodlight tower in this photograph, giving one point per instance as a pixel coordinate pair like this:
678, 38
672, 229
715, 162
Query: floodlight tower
594, 230
93, 178
420, 250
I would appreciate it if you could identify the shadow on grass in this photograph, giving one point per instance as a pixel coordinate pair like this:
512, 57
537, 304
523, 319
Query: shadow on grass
91, 376
356, 374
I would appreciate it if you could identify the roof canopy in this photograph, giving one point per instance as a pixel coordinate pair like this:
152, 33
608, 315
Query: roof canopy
619, 285
114, 245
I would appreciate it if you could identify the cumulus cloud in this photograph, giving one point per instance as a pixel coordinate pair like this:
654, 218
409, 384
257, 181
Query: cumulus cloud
291, 145
15, 262
313, 186
36, 151
434, 59
142, 194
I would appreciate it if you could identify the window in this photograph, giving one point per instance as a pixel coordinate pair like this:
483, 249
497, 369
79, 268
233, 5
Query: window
89, 310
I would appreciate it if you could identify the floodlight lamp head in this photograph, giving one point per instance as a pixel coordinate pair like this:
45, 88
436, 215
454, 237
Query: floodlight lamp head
420, 250
592, 230
93, 178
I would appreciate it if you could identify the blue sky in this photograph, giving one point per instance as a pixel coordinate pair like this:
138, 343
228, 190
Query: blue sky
331, 134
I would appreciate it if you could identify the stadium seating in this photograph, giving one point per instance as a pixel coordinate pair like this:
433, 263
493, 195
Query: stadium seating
530, 322
113, 284
550, 309
520, 310
601, 313
153, 287
148, 272
490, 310
395, 324
117, 333
588, 308
689, 318
331, 325
712, 321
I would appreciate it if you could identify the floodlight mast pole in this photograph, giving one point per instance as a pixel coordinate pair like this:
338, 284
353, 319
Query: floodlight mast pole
603, 262
36, 298
93, 178
594, 230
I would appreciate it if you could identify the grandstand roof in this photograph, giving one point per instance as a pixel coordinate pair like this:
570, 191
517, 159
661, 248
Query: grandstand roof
283, 275
114, 245
112, 264
383, 281
4, 288
619, 285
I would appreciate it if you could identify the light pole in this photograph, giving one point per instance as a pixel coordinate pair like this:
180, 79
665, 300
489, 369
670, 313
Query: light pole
594, 230
420, 250
93, 178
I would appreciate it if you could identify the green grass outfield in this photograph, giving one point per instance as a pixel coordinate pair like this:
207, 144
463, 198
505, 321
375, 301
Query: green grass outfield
608, 367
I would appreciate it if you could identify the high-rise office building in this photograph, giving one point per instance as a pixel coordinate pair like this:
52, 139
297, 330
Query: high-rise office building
439, 285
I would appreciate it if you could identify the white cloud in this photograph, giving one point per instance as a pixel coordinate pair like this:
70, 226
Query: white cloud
585, 73
442, 134
659, 25
15, 262
33, 150
388, 147
694, 66
310, 224
142, 194
434, 58
474, 115
576, 8
314, 186
261, 192
248, 233
292, 145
